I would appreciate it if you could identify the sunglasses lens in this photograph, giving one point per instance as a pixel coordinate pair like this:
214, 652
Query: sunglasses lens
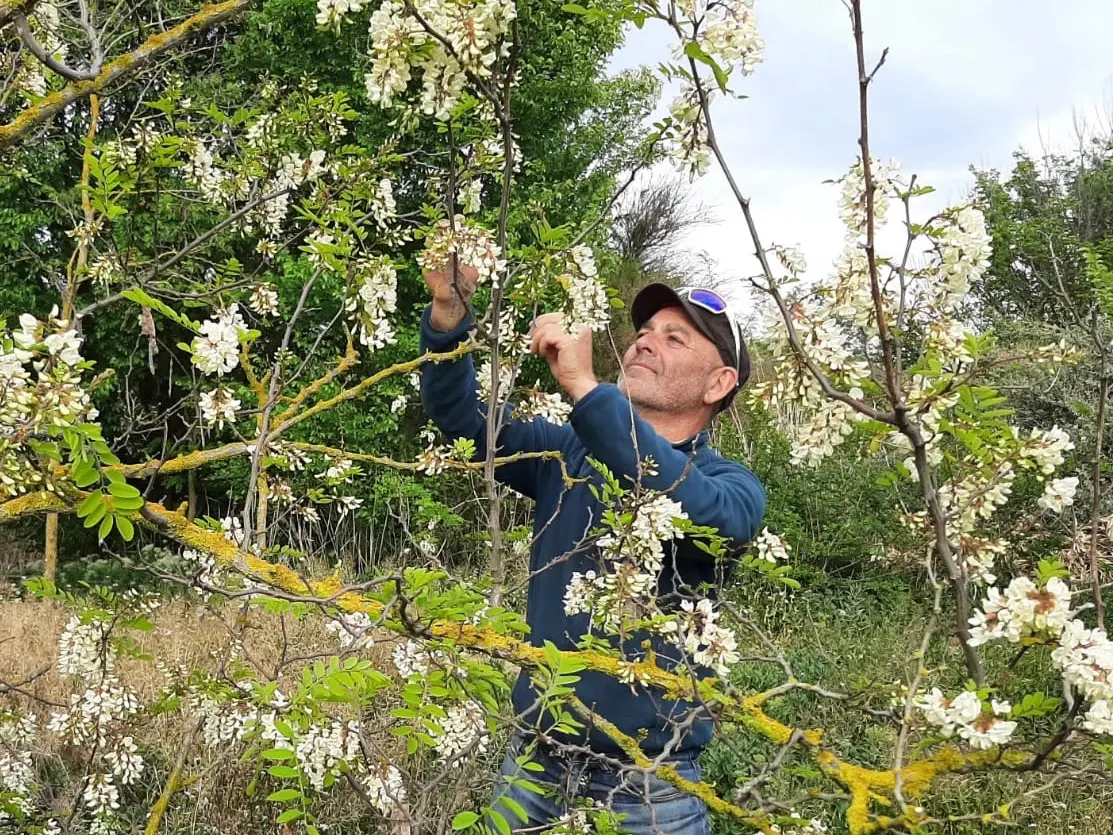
707, 299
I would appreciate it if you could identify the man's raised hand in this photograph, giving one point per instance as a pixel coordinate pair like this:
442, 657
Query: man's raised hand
569, 357
450, 298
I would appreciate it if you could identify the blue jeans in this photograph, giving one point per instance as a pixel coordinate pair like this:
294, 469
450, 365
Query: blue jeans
648, 805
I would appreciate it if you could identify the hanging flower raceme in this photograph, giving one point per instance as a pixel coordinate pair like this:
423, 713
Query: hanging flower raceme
41, 394
472, 245
588, 305
373, 299
470, 37
217, 349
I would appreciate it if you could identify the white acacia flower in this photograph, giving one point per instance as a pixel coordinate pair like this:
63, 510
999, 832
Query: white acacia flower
352, 629
264, 299
383, 206
83, 650
385, 787
348, 504
986, 731
322, 750
373, 300
547, 406
1058, 494
217, 349
771, 547
218, 407
589, 305
464, 727
125, 760
1099, 718
1045, 449
101, 796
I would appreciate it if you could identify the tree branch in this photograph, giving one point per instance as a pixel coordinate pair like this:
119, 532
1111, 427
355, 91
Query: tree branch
121, 68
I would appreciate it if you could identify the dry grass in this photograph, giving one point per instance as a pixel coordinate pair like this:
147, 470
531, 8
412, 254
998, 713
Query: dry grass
187, 637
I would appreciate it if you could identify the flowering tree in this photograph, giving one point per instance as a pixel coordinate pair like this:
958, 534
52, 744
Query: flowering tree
875, 354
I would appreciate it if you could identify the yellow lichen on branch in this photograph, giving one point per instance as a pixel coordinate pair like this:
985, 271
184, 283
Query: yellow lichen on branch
118, 69
668, 772
30, 504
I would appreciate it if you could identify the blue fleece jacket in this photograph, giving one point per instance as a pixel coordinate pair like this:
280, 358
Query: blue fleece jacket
712, 490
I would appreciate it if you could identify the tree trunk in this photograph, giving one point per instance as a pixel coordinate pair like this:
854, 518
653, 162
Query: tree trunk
50, 550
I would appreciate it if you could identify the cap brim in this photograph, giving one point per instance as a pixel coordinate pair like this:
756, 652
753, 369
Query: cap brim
654, 297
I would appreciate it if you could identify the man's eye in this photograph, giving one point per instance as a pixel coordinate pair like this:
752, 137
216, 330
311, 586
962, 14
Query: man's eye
676, 340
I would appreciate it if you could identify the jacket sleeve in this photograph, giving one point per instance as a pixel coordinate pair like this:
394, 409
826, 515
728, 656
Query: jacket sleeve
726, 496
450, 395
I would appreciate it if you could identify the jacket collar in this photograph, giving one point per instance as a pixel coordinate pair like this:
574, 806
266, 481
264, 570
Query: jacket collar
694, 443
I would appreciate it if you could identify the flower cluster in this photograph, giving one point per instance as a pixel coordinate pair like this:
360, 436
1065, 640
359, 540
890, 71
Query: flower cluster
17, 771
352, 629
685, 137
264, 299
706, 642
84, 650
93, 713
217, 349
588, 305
373, 299
771, 547
222, 721
322, 751
1024, 609
41, 394
1083, 656
965, 247
967, 715
634, 554
726, 31
125, 760
548, 406
471, 244
464, 728
331, 13
218, 407
384, 787
470, 37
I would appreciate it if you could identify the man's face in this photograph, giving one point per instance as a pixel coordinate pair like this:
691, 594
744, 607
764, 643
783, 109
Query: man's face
671, 366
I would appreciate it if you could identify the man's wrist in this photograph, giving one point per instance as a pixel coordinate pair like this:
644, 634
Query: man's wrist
446, 316
579, 389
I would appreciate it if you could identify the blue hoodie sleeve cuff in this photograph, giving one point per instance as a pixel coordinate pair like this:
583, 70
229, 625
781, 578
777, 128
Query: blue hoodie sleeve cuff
440, 341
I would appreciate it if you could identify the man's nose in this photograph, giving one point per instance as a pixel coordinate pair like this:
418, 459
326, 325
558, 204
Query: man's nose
646, 343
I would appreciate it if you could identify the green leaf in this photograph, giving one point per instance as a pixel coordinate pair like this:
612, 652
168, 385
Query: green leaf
122, 490
464, 820
140, 297
283, 772
278, 754
573, 8
89, 504
289, 815
84, 473
515, 807
105, 527
96, 514
126, 528
283, 795
133, 503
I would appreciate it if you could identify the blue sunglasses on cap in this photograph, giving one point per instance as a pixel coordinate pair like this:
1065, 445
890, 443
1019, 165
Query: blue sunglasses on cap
712, 302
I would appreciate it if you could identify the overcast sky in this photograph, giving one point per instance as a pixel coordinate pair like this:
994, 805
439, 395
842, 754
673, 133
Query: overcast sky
966, 83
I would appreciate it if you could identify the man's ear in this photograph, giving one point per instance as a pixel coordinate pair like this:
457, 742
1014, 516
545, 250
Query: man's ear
720, 383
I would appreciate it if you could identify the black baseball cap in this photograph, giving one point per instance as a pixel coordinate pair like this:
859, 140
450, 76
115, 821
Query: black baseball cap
708, 310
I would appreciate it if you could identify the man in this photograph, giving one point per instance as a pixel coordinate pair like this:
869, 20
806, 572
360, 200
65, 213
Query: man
686, 364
